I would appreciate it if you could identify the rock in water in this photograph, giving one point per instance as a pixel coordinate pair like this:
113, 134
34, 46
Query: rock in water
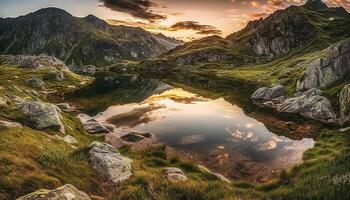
40, 115
109, 163
66, 192
345, 104
269, 94
328, 69
174, 174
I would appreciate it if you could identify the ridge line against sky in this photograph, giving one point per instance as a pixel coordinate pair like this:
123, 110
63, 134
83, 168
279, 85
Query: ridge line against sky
182, 19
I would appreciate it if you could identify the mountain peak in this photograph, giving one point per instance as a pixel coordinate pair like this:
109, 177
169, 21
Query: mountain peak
315, 4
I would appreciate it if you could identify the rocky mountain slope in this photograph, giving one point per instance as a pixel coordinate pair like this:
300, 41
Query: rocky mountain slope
78, 41
294, 30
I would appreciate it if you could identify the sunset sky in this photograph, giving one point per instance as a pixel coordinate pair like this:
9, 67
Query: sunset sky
183, 19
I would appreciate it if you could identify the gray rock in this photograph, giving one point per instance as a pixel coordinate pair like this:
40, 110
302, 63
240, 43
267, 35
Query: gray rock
91, 125
66, 192
40, 115
174, 174
324, 71
89, 69
108, 162
8, 124
344, 99
60, 76
36, 83
268, 94
310, 105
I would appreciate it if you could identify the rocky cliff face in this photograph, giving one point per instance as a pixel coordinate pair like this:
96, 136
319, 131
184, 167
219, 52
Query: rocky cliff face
333, 66
79, 41
345, 104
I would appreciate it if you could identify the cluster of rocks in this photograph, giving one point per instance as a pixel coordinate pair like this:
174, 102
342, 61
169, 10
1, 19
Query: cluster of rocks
310, 104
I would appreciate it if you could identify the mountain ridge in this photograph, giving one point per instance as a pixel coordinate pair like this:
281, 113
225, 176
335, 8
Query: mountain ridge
78, 41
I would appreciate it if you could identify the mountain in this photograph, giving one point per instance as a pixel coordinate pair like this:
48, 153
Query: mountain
78, 41
296, 29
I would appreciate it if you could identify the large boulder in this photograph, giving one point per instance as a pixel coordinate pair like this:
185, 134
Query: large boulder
310, 105
108, 162
334, 65
40, 115
345, 104
66, 192
268, 94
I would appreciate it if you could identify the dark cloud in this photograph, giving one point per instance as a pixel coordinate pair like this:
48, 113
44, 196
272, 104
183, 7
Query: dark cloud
192, 25
137, 8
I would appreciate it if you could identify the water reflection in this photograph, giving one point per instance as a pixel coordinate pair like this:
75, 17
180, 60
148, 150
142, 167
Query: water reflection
214, 132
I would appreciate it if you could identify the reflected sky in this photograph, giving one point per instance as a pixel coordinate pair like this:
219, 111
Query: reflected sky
191, 123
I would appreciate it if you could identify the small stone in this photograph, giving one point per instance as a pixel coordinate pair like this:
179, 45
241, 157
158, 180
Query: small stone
131, 137
8, 124
70, 140
174, 174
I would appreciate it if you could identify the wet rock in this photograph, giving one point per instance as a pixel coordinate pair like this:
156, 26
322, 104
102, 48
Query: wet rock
174, 174
131, 137
40, 115
70, 140
268, 94
332, 67
8, 124
66, 192
36, 83
108, 162
345, 104
219, 176
91, 125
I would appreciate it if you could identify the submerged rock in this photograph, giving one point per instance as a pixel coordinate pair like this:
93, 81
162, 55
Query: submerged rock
345, 104
174, 174
328, 69
66, 192
40, 115
269, 94
109, 163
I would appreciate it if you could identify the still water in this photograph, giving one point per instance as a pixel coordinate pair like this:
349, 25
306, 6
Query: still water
212, 132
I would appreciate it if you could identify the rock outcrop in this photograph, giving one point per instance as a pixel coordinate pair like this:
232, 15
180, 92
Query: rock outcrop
333, 66
345, 104
37, 83
108, 162
268, 94
66, 192
34, 62
40, 115
174, 175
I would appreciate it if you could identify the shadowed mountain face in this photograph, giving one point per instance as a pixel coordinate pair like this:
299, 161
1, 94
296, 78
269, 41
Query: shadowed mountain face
296, 29
79, 41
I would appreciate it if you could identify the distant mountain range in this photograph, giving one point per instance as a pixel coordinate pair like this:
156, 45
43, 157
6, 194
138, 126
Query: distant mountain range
79, 41
296, 29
